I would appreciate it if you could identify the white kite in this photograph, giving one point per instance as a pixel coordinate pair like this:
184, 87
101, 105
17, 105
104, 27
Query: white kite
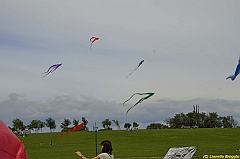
181, 152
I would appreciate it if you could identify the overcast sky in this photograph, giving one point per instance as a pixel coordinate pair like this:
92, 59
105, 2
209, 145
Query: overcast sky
189, 48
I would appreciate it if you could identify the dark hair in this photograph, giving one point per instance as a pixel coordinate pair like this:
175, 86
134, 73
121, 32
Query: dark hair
107, 147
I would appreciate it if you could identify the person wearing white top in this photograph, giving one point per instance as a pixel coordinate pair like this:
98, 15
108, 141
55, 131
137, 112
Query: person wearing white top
106, 151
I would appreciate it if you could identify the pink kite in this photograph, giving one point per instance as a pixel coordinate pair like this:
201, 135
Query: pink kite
75, 128
92, 40
10, 146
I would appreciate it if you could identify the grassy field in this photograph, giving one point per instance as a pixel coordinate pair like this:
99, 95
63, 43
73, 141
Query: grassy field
137, 144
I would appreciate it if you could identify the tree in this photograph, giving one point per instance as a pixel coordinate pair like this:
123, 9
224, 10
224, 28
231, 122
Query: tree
167, 121
106, 124
117, 124
212, 120
227, 121
178, 120
75, 122
85, 121
65, 123
50, 123
202, 119
127, 126
231, 121
135, 125
18, 125
41, 125
191, 119
34, 125
156, 126
235, 123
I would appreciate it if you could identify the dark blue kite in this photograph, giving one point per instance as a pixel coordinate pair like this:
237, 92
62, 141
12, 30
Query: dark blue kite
236, 71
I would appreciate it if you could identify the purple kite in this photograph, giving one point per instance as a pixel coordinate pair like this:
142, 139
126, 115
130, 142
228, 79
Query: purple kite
51, 69
140, 63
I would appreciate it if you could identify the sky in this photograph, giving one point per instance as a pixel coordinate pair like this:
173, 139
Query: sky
189, 48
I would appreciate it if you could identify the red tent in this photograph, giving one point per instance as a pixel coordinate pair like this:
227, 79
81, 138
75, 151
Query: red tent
10, 145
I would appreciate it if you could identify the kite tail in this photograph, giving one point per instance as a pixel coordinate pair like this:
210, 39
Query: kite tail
49, 72
137, 94
140, 101
45, 75
131, 108
129, 98
129, 74
133, 71
52, 68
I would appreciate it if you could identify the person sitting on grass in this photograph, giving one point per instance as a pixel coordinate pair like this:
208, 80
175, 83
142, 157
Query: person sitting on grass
106, 151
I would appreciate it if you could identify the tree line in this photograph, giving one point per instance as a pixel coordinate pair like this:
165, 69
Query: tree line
37, 125
181, 120
107, 123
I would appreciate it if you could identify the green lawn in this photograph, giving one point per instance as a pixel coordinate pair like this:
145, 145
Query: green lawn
137, 144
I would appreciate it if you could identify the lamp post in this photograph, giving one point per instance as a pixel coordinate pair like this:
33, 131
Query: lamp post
95, 129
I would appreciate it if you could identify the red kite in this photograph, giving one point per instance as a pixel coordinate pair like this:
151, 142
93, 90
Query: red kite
75, 128
92, 40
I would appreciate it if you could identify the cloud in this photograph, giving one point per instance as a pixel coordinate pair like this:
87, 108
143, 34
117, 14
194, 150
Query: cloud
75, 107
15, 96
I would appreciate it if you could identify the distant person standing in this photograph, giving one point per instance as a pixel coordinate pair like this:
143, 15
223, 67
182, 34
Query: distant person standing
41, 143
51, 143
